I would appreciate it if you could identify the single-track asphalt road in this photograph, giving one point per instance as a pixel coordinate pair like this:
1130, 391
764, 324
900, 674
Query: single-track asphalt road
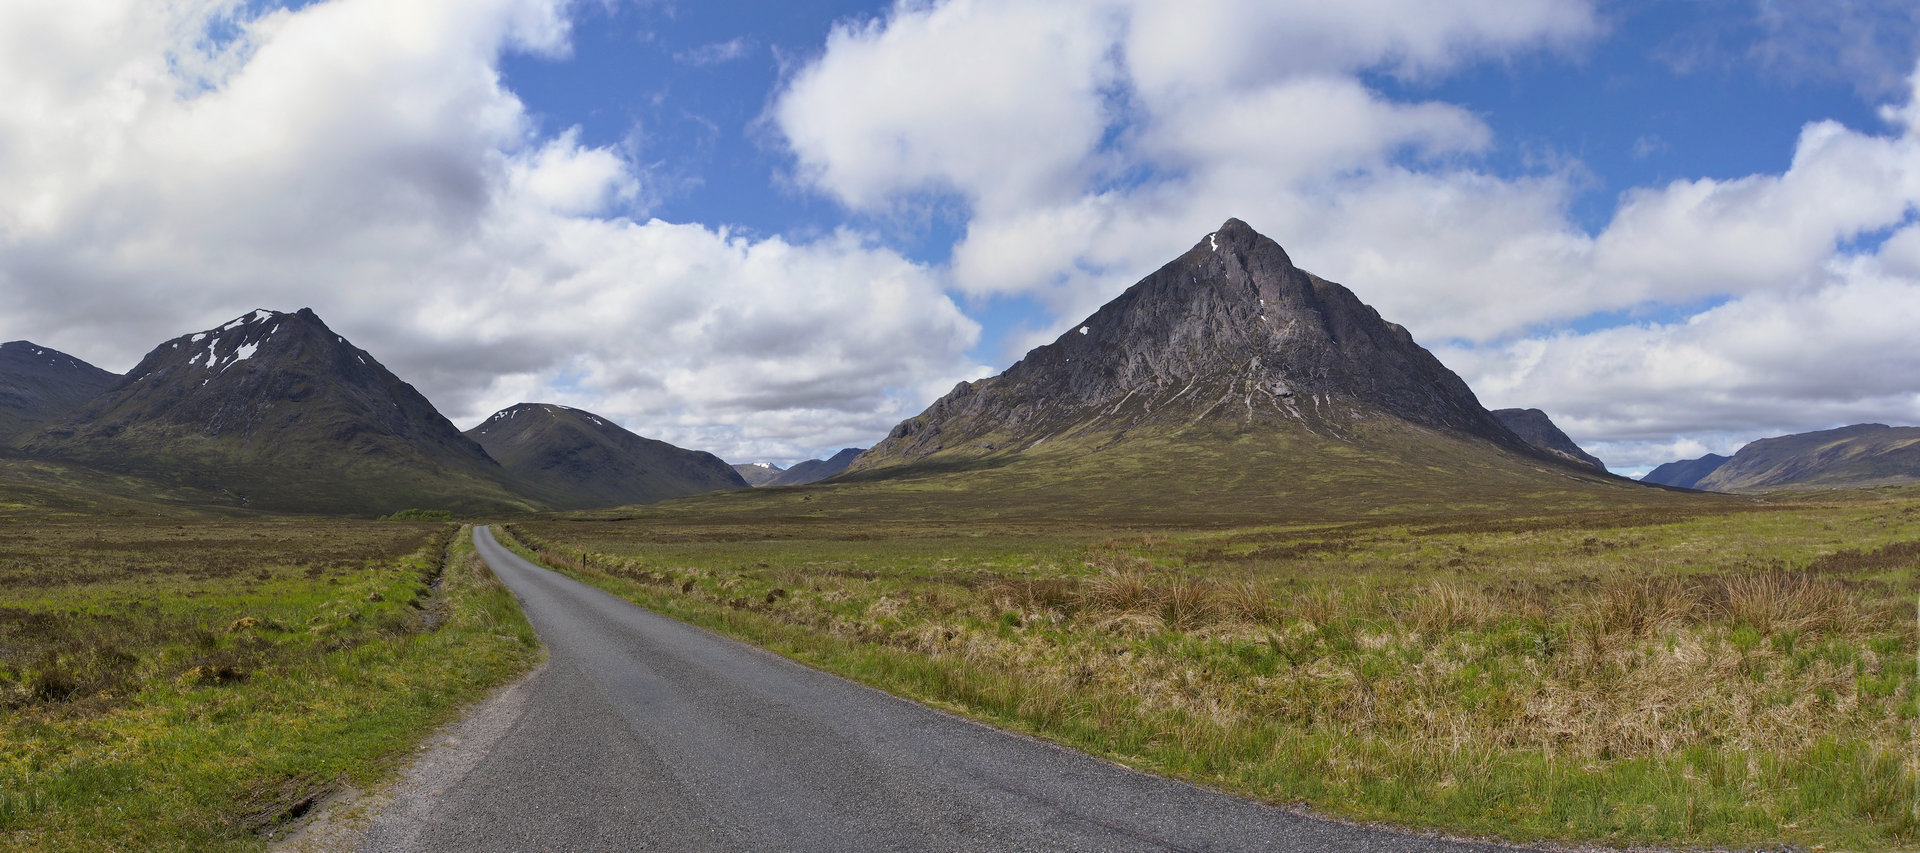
643, 733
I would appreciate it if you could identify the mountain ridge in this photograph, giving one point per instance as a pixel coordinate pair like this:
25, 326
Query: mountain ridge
39, 385
575, 459
279, 412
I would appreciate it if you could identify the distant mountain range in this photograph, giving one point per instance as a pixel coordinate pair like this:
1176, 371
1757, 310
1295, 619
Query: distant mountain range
1687, 473
1856, 456
815, 470
810, 471
1228, 380
274, 411
757, 473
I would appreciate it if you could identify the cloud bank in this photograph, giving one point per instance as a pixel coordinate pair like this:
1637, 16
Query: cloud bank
1108, 134
167, 165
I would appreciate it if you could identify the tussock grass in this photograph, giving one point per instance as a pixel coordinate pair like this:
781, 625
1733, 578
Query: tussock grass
176, 686
1732, 677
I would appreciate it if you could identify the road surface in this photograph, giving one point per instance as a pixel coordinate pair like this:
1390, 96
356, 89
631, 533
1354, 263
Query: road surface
643, 733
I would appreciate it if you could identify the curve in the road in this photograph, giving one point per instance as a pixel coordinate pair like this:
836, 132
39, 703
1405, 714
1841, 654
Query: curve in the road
644, 733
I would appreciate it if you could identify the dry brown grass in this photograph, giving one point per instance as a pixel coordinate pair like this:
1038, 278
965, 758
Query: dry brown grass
1776, 602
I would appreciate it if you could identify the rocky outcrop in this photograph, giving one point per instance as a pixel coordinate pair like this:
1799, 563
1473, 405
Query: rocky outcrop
1540, 431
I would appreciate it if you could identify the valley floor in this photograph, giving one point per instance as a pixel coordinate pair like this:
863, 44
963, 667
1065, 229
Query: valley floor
1728, 674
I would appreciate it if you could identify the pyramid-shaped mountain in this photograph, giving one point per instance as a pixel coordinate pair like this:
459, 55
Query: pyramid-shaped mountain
278, 412
39, 385
1228, 381
1540, 431
573, 459
1230, 332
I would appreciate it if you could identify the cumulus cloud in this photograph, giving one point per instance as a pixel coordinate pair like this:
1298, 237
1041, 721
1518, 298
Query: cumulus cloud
1124, 152
363, 157
1111, 133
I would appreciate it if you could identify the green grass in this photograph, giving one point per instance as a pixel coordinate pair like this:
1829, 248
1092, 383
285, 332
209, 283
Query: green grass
1684, 671
185, 686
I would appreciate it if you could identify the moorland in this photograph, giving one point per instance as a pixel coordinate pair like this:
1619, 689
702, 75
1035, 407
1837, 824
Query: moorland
1682, 670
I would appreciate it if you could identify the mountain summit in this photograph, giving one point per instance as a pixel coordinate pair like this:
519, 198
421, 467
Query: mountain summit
1229, 333
575, 459
279, 412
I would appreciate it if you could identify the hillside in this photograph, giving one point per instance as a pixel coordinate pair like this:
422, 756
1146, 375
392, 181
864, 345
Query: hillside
1856, 456
573, 459
39, 385
274, 411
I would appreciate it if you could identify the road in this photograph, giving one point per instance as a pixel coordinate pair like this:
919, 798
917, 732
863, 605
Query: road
643, 733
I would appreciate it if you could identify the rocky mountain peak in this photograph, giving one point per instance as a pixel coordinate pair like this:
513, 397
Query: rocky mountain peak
1229, 332
237, 405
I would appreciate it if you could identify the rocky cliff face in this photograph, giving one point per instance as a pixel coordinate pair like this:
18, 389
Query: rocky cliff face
1540, 431
278, 412
574, 459
1231, 332
38, 385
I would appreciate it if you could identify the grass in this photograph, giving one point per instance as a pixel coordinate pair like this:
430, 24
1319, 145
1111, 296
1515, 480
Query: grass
1690, 673
173, 685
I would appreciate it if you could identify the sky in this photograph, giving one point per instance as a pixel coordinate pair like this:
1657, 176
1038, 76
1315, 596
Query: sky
774, 228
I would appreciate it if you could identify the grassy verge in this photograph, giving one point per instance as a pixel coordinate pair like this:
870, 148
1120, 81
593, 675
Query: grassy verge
1722, 678
170, 687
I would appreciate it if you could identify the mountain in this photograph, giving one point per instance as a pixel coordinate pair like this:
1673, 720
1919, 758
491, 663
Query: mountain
1686, 473
277, 412
815, 470
1537, 429
1228, 381
38, 385
1856, 456
578, 460
758, 473
1229, 333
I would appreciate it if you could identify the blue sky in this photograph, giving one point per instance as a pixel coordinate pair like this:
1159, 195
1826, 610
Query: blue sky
771, 229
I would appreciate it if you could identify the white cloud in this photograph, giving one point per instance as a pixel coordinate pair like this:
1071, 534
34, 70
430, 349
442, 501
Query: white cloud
998, 100
362, 157
1764, 364
1113, 159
